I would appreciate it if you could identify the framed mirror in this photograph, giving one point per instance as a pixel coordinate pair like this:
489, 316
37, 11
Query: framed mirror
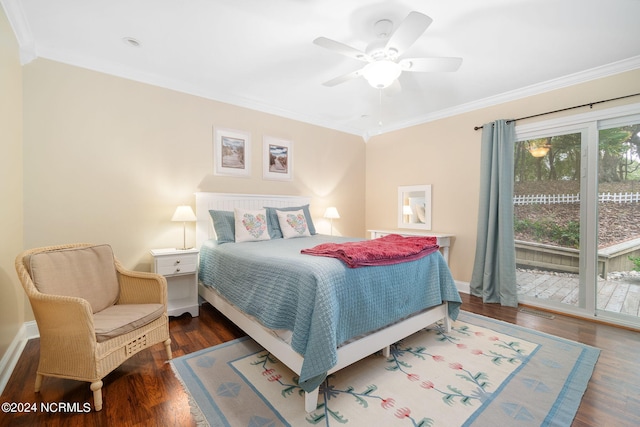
414, 207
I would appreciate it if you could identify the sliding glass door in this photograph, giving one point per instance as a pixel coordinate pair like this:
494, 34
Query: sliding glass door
577, 216
618, 286
547, 218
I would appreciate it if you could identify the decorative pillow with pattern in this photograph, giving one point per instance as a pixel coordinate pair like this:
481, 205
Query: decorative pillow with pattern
293, 224
251, 225
274, 225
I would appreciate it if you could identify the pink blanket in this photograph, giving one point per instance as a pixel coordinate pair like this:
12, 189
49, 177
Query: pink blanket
390, 249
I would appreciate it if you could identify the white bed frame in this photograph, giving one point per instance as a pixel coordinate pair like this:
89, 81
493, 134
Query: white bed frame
347, 354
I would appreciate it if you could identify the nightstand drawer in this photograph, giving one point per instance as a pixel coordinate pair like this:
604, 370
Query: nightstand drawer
176, 264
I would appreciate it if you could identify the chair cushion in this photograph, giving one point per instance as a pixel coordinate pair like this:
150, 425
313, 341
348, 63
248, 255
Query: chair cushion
87, 272
122, 318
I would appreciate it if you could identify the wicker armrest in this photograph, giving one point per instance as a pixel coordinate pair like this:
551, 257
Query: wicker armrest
138, 287
63, 319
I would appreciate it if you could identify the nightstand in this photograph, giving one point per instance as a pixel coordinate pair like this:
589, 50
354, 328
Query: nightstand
180, 268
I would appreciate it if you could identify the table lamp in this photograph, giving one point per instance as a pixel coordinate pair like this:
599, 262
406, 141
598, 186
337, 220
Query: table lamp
331, 213
184, 214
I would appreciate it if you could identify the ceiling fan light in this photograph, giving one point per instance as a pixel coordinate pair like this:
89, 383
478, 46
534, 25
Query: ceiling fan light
381, 74
539, 151
538, 148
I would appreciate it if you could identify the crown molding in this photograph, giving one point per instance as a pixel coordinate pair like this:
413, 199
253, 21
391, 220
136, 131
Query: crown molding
184, 87
119, 70
21, 29
607, 70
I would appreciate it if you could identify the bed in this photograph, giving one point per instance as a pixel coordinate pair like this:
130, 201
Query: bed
333, 315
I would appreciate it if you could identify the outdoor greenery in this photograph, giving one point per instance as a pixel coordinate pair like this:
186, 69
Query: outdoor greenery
619, 155
566, 235
558, 172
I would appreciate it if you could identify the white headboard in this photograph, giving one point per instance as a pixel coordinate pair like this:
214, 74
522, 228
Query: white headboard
227, 202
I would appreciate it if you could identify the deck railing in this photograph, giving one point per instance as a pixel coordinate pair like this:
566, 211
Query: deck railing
556, 258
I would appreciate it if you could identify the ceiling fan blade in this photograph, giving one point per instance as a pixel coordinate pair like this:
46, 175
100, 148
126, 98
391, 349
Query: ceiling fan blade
344, 78
431, 64
342, 49
409, 30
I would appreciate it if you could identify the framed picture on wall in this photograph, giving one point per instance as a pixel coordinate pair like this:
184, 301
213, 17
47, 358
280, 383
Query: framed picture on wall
277, 158
231, 152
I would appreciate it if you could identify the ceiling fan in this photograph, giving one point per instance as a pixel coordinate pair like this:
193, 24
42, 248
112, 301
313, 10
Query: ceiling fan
382, 55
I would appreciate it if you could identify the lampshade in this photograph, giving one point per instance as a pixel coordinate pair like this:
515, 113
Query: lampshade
184, 213
382, 73
331, 213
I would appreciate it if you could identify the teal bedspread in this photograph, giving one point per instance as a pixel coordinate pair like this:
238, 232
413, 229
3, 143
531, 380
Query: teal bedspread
319, 299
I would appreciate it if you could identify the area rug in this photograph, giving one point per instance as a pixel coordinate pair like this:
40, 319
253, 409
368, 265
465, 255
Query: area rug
484, 372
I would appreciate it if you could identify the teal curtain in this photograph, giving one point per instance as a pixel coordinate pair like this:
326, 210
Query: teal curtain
494, 269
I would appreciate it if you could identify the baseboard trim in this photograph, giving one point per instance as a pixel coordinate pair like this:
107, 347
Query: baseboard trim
31, 329
27, 331
464, 287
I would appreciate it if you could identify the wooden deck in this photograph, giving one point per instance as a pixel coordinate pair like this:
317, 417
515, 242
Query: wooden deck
618, 296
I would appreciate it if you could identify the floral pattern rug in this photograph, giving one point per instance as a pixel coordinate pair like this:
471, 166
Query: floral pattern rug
483, 372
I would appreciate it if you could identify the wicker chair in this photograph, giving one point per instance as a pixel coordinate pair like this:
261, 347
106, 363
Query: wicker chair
91, 312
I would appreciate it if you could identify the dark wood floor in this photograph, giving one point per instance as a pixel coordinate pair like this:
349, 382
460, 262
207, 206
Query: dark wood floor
144, 391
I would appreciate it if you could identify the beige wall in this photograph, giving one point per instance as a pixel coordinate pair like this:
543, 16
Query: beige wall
12, 298
109, 159
445, 154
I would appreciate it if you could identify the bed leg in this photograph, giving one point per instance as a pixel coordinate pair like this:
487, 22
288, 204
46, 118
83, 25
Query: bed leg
447, 323
311, 400
386, 352
446, 319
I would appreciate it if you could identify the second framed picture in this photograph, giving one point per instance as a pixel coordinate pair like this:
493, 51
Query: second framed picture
277, 158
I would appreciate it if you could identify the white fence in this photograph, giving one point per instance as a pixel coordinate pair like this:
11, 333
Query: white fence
547, 199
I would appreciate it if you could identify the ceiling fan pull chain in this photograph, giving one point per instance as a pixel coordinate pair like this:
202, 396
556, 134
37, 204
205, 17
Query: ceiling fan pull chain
380, 106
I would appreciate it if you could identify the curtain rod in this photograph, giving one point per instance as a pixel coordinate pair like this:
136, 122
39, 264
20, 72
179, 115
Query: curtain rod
590, 105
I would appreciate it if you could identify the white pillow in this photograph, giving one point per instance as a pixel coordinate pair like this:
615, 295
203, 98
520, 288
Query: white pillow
251, 225
293, 224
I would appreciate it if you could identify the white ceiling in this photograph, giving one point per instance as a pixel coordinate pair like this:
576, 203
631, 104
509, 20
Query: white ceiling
259, 54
